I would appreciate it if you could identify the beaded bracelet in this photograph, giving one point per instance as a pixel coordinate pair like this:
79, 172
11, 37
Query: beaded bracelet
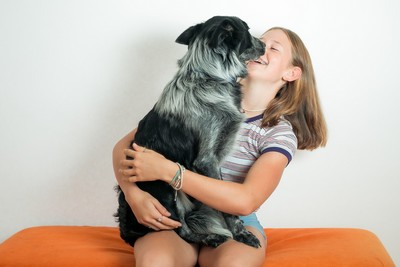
177, 181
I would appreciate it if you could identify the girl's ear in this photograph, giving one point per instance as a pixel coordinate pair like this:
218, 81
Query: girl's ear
292, 74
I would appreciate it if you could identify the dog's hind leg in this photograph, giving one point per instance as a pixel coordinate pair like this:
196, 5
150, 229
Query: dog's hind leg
130, 229
207, 226
239, 232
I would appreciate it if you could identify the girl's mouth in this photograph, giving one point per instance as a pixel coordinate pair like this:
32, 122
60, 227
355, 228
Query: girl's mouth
260, 61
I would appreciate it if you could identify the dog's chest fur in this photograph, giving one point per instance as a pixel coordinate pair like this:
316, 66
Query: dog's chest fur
194, 123
201, 105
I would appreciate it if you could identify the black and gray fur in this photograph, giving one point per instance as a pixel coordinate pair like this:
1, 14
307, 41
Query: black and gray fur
195, 123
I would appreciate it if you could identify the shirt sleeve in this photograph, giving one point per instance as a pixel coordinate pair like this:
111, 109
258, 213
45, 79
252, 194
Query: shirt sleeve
279, 138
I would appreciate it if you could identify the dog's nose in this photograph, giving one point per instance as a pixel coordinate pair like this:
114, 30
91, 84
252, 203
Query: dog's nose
263, 44
260, 44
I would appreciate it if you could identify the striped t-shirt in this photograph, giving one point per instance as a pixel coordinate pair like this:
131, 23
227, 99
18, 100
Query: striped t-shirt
253, 141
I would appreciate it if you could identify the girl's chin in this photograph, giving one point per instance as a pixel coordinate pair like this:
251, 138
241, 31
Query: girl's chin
257, 73
259, 77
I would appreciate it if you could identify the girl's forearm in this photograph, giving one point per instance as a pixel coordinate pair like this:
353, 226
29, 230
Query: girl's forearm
231, 197
225, 196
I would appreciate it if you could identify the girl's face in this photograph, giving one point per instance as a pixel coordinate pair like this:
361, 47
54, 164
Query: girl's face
275, 64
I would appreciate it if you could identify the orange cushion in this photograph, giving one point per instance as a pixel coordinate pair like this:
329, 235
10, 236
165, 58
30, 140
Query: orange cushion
47, 246
325, 247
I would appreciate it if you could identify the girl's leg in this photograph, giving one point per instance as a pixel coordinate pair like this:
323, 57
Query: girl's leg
233, 253
164, 248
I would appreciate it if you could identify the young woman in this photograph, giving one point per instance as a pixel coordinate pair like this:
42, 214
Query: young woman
283, 114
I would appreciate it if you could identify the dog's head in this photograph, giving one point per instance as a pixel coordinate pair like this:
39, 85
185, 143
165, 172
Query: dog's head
226, 40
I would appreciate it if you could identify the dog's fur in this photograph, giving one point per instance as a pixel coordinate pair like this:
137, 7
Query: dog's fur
195, 123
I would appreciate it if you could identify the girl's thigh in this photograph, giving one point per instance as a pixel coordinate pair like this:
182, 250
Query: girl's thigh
233, 253
164, 248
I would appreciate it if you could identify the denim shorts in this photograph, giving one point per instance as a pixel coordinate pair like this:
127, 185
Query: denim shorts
251, 220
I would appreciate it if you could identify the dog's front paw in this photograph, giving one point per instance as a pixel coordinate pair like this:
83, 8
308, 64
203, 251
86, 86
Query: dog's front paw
247, 238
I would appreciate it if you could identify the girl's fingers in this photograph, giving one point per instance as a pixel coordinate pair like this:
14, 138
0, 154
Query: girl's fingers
161, 209
164, 220
169, 223
130, 179
141, 149
136, 147
127, 163
163, 223
129, 153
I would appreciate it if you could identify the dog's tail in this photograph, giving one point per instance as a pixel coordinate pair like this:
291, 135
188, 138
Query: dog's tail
207, 221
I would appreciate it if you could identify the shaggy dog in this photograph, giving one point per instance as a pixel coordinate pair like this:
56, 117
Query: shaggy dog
195, 123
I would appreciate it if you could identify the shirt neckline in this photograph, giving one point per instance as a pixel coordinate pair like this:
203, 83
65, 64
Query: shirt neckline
255, 118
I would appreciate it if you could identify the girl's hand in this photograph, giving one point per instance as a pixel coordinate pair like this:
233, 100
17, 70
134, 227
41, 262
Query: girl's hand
149, 212
146, 165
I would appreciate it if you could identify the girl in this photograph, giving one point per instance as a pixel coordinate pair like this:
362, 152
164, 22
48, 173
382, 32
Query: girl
283, 114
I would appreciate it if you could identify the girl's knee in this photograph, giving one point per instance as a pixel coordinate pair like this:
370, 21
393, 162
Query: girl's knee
236, 255
155, 260
164, 248
226, 261
165, 257
236, 262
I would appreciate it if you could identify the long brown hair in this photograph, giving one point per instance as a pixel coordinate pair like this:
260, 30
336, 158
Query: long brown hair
298, 101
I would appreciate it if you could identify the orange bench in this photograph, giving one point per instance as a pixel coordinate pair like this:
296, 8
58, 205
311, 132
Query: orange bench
87, 246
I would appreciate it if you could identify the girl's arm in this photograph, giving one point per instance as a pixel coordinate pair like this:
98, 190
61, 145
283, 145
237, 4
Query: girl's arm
240, 199
126, 187
144, 206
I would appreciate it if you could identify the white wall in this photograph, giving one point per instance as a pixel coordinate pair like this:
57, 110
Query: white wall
75, 76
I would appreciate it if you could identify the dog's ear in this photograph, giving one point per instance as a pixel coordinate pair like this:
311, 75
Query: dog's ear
245, 36
188, 36
233, 33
